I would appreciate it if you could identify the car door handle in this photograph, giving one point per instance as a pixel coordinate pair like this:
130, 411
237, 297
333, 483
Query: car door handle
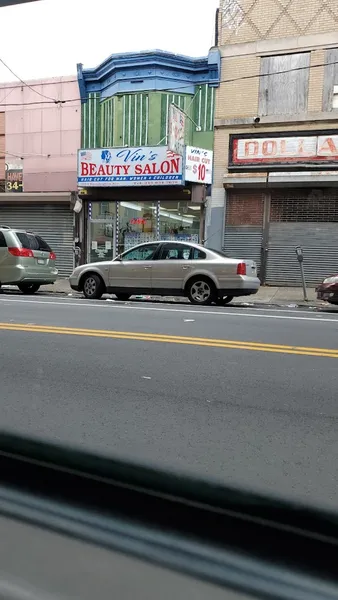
147, 268
186, 267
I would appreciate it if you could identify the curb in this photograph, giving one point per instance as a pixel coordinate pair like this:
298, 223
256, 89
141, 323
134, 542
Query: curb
311, 305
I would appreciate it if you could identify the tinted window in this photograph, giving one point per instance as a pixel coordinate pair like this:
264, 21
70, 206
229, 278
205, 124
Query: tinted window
27, 240
175, 252
141, 253
42, 244
198, 254
2, 240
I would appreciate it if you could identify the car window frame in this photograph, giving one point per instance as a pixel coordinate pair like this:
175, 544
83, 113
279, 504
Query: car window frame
173, 243
198, 250
157, 245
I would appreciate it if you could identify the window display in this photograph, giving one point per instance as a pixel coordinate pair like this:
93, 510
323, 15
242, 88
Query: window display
115, 227
137, 224
179, 221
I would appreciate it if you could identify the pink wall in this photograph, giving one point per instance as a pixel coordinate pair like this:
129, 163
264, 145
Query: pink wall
45, 135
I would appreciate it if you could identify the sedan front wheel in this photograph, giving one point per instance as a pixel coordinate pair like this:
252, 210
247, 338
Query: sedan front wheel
93, 287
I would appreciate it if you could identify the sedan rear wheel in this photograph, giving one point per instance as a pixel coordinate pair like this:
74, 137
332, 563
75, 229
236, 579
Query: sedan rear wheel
201, 291
93, 287
122, 297
28, 288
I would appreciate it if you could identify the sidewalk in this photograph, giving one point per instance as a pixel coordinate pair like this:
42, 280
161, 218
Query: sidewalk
280, 296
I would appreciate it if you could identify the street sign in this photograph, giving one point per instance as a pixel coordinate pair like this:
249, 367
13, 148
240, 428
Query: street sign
176, 130
14, 180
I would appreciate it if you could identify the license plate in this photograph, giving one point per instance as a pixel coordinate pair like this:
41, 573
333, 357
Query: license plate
41, 261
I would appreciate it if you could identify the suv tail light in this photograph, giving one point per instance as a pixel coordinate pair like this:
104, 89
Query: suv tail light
52, 256
21, 252
241, 268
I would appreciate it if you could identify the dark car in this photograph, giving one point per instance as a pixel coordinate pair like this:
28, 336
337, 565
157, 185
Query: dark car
328, 290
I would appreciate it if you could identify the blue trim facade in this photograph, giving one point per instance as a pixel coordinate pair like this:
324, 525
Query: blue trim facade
149, 71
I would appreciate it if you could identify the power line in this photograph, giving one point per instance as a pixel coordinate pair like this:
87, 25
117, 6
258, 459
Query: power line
5, 86
170, 90
27, 84
35, 155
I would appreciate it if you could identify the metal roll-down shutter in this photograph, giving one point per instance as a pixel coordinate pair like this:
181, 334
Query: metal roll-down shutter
244, 225
311, 222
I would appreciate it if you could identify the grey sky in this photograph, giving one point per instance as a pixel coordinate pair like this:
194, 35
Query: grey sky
49, 37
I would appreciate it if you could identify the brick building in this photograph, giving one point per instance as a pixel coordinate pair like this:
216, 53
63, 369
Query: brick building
276, 136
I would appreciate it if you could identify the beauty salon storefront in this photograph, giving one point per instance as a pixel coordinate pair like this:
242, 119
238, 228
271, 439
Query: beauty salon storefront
136, 195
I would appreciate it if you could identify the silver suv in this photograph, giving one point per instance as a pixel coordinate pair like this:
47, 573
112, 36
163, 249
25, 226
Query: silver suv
26, 260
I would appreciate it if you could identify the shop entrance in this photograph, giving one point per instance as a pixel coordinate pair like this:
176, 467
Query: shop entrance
101, 239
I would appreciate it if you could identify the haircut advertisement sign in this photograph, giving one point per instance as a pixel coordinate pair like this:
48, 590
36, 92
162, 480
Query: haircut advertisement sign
198, 165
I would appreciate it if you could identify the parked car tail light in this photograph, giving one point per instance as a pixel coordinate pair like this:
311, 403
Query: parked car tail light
21, 252
52, 256
241, 268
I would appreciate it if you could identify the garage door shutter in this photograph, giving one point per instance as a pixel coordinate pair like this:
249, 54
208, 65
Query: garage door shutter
53, 222
243, 242
319, 242
244, 225
309, 221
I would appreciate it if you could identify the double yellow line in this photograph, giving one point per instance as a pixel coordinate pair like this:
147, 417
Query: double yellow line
172, 339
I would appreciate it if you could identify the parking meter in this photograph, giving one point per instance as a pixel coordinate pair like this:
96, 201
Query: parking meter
300, 258
299, 253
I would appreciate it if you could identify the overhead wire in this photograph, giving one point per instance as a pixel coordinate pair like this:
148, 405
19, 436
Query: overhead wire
52, 81
50, 100
24, 83
86, 98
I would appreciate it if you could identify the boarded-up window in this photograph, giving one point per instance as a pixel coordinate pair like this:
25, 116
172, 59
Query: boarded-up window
284, 84
330, 80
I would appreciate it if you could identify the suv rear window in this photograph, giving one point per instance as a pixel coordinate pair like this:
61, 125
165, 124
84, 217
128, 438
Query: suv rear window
32, 242
2, 240
42, 244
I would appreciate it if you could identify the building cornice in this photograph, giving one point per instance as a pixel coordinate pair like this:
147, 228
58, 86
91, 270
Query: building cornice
284, 120
151, 70
281, 45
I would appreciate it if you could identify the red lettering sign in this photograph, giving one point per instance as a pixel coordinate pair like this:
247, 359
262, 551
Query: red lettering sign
138, 221
290, 150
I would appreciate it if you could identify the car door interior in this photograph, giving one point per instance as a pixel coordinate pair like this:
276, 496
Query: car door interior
81, 525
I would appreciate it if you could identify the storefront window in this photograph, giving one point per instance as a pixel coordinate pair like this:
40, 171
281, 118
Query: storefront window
137, 224
101, 232
180, 221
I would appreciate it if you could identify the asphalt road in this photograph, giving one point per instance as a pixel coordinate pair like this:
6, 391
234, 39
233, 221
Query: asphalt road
245, 395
